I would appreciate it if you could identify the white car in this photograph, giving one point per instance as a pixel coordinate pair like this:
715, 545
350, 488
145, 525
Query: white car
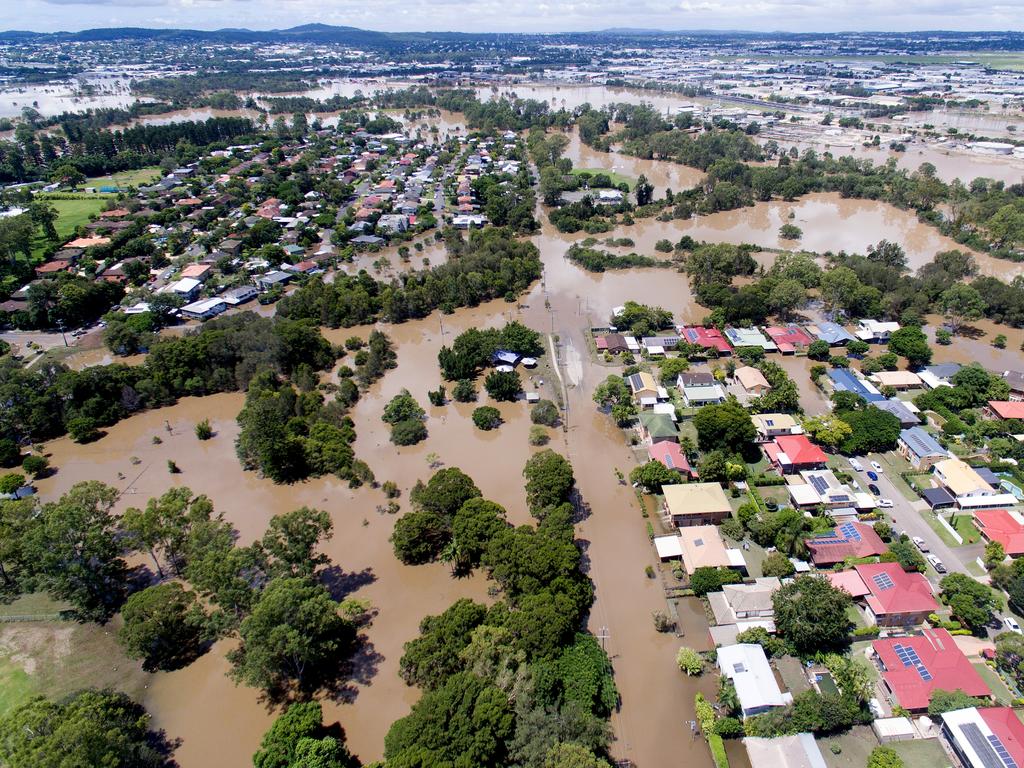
920, 543
877, 467
857, 466
885, 503
1012, 625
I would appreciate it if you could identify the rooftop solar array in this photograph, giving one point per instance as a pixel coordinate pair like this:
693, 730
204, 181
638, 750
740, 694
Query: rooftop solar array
849, 530
819, 484
882, 581
909, 657
990, 749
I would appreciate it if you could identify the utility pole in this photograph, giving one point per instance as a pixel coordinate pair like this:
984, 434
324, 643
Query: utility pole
602, 635
60, 324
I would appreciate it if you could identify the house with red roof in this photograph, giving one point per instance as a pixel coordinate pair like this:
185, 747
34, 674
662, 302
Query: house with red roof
986, 736
1003, 526
672, 456
794, 453
851, 539
1005, 409
706, 337
888, 595
789, 338
913, 668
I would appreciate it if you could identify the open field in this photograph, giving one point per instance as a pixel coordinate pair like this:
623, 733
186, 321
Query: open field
617, 178
70, 215
122, 179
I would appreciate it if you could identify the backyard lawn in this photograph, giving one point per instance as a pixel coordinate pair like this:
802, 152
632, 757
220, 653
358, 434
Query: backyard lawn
70, 215
617, 178
123, 179
962, 524
994, 683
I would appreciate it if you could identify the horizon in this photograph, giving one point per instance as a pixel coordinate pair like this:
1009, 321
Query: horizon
519, 16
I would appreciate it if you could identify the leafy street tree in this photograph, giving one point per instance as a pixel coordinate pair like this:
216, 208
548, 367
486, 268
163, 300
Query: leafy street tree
652, 475
971, 601
163, 626
960, 303
872, 430
907, 555
76, 551
89, 728
503, 385
613, 393
725, 427
549, 480
910, 342
467, 721
164, 527
435, 655
544, 412
297, 731
811, 614
486, 417
829, 430
293, 639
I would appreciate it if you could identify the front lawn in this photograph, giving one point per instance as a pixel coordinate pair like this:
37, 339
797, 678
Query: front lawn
963, 525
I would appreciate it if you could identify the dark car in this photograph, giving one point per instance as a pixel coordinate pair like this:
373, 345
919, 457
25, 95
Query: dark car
874, 489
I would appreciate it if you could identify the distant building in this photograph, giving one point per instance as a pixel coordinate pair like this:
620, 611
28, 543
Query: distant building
708, 338
750, 337
876, 331
752, 380
789, 338
772, 425
204, 309
832, 334
844, 380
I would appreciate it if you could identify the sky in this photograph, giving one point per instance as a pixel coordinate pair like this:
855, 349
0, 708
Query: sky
518, 15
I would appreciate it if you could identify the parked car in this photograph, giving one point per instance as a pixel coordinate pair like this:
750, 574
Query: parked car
857, 466
936, 563
920, 543
874, 489
877, 467
872, 475
885, 503
1012, 625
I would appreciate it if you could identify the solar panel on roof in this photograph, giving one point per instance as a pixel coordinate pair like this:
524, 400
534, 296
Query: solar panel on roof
1001, 750
883, 581
819, 484
668, 461
984, 748
850, 531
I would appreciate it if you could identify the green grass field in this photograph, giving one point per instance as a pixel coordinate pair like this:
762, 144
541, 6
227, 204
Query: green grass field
124, 179
617, 178
15, 685
70, 215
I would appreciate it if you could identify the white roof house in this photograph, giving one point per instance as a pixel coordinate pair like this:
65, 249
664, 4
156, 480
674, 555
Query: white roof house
748, 668
797, 751
876, 330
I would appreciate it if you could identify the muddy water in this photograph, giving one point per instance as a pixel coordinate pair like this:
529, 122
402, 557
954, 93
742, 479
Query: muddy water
974, 344
598, 96
662, 175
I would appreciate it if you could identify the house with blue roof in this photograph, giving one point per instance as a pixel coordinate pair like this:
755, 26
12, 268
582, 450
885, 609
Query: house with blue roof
831, 333
920, 449
844, 380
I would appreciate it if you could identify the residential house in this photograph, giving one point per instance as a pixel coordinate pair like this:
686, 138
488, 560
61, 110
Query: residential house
899, 380
986, 737
905, 412
752, 380
794, 453
772, 425
831, 333
657, 427
797, 751
198, 272
702, 546
789, 338
852, 539
821, 488
746, 665
671, 455
1005, 409
750, 337
739, 607
272, 279
876, 331
920, 448
658, 345
914, 667
644, 387
613, 343
697, 504
204, 309
240, 295
938, 498
888, 595
970, 489
188, 288
1016, 381
1003, 525
231, 247
701, 395
844, 380
939, 375
708, 338
393, 222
